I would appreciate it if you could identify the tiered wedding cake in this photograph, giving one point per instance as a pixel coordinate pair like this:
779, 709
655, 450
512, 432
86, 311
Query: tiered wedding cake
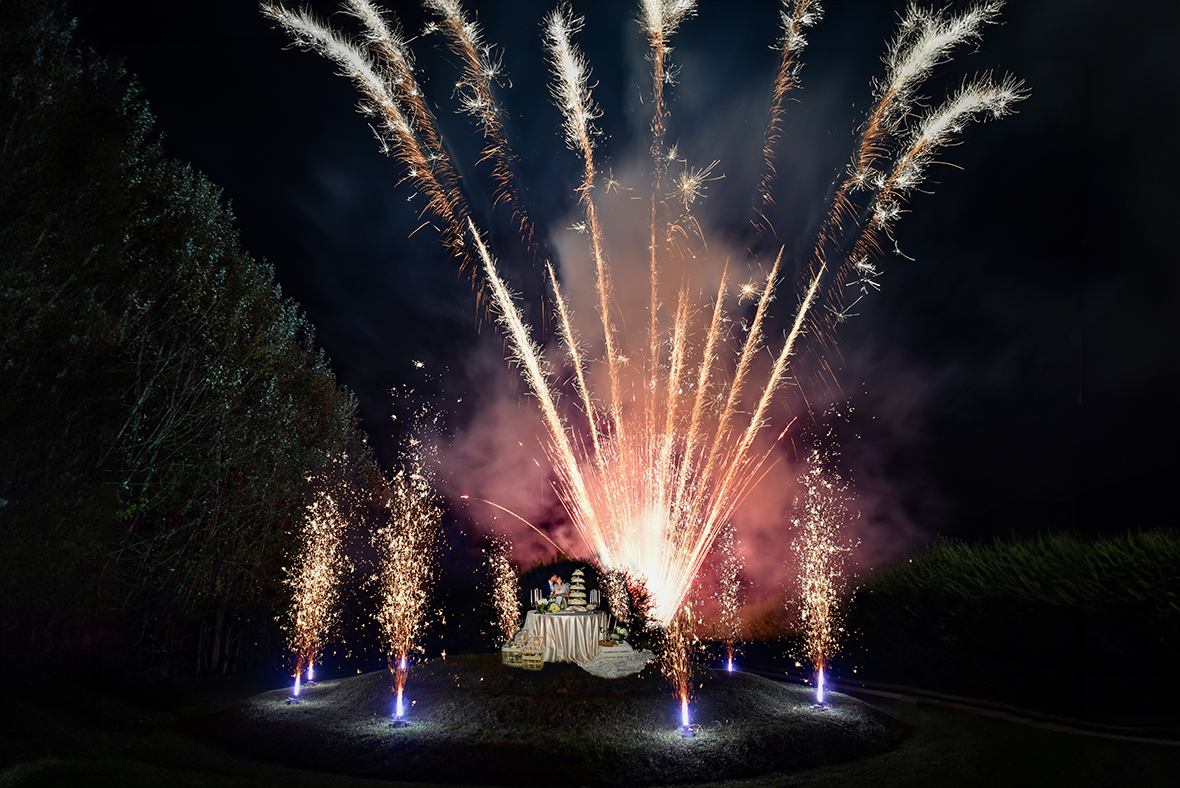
577, 590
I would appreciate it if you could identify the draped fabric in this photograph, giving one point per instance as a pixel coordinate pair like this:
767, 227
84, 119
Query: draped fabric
569, 637
621, 660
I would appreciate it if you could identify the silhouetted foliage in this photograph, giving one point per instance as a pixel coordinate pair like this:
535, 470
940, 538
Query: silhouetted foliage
162, 405
1028, 621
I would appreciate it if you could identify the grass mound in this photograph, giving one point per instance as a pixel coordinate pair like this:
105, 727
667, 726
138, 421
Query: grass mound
473, 719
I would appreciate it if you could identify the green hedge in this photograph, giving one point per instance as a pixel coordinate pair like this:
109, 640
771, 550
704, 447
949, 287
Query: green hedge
1057, 622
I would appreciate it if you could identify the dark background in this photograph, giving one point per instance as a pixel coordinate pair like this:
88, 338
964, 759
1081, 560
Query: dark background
1019, 374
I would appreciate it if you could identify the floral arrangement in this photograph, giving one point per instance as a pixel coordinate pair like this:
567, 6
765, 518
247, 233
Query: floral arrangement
619, 635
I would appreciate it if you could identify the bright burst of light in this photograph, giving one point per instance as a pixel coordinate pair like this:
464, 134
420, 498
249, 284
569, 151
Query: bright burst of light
819, 687
296, 691
406, 548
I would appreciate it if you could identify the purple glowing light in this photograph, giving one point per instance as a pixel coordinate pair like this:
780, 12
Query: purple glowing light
296, 686
819, 693
310, 672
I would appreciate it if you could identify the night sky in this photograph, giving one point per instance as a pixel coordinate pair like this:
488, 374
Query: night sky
1019, 374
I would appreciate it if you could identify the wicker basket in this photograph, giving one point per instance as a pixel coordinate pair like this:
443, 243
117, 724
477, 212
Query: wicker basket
532, 653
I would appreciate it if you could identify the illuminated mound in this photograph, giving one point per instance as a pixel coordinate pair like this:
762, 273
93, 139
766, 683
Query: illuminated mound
474, 720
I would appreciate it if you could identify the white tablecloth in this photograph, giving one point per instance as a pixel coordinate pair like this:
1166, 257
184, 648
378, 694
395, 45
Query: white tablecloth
569, 637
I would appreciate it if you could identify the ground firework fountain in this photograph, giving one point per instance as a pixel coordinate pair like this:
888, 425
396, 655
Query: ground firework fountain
406, 546
820, 548
656, 442
314, 580
505, 586
676, 661
728, 595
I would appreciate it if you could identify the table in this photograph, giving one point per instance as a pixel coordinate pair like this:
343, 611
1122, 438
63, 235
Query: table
569, 637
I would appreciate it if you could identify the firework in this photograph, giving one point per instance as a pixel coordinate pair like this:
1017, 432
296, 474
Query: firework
406, 549
729, 592
314, 580
652, 462
804, 13
820, 548
676, 660
505, 586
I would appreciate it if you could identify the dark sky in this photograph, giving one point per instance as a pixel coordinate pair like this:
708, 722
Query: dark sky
1020, 373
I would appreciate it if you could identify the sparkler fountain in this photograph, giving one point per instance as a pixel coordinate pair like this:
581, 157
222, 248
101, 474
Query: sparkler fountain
406, 546
314, 580
505, 587
664, 438
820, 549
676, 661
729, 591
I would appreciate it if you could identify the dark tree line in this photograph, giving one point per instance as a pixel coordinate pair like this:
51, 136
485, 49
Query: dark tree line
162, 405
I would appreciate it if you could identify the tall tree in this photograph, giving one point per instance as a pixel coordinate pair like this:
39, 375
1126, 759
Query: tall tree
161, 403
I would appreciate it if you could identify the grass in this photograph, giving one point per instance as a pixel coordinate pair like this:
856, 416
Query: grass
56, 733
474, 718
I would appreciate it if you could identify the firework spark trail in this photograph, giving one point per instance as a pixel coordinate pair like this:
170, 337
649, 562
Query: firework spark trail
558, 548
528, 356
505, 586
659, 20
314, 580
692, 436
936, 130
573, 351
924, 41
392, 97
572, 93
749, 349
820, 548
804, 14
406, 549
481, 66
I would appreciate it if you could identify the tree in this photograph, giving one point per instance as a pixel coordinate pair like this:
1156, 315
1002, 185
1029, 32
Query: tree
161, 403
